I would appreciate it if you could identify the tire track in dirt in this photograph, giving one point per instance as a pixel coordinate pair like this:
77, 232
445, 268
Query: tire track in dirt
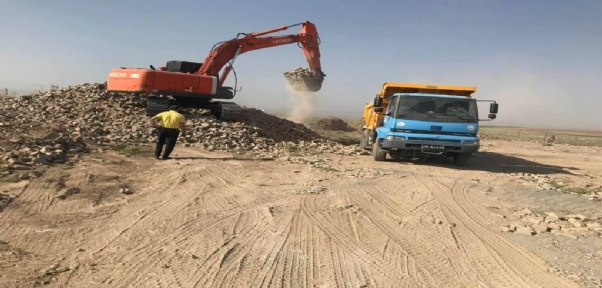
444, 232
433, 265
34, 199
174, 204
497, 261
343, 239
266, 273
215, 270
183, 235
255, 244
146, 222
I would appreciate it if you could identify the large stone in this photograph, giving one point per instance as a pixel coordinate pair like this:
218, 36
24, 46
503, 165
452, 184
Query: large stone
552, 217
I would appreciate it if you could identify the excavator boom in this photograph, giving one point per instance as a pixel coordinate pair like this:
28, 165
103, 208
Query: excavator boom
224, 52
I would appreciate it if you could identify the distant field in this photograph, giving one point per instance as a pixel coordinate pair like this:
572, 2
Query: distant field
563, 136
544, 130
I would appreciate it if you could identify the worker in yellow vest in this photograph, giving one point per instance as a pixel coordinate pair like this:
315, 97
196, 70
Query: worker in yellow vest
172, 123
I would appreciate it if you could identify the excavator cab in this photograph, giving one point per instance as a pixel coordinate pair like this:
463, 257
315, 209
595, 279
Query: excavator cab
183, 66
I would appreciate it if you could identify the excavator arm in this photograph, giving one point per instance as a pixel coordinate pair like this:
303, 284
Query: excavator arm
225, 52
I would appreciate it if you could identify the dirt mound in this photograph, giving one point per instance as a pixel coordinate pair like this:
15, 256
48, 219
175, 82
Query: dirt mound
88, 114
333, 123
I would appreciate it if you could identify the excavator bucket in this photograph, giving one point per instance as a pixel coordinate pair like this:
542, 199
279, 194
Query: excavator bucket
304, 80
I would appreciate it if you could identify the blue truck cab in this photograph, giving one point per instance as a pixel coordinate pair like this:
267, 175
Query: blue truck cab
424, 121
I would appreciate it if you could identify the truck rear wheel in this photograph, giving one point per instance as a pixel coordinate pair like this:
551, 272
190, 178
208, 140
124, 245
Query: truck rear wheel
461, 159
364, 140
378, 153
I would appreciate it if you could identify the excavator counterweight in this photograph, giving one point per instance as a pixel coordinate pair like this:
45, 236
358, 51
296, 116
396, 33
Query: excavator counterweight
198, 85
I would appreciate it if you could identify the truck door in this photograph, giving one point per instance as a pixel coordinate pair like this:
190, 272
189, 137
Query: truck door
389, 116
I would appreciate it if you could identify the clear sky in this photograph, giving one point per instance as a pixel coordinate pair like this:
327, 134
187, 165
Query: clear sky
540, 59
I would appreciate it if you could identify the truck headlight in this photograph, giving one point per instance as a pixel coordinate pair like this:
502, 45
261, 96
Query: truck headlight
391, 137
471, 142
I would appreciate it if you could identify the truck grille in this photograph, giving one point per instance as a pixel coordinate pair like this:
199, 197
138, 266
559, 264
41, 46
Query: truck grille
438, 118
433, 140
433, 132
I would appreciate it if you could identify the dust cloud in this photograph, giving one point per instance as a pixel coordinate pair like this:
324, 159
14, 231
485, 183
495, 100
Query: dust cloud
304, 103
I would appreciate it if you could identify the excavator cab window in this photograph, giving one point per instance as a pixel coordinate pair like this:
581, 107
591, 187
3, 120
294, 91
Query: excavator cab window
183, 66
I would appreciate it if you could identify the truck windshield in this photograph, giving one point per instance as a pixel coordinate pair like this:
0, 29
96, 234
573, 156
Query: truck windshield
432, 108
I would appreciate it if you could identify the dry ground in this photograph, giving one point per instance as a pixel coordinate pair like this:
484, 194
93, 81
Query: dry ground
213, 220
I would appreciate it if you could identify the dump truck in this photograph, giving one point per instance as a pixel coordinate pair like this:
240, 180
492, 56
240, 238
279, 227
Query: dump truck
420, 120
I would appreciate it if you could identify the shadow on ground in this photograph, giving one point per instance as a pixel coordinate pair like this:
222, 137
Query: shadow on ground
219, 158
498, 163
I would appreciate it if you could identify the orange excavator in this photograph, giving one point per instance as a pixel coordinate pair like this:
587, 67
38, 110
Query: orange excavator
197, 85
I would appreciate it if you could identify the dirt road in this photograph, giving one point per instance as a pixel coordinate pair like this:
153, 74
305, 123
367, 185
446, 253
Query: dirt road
211, 220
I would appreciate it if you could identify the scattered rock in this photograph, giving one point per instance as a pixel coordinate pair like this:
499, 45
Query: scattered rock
311, 190
527, 230
523, 213
125, 191
564, 233
532, 223
593, 225
5, 199
551, 217
507, 228
347, 208
68, 192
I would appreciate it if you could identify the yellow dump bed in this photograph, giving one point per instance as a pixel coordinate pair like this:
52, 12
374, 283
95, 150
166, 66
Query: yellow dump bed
390, 88
371, 118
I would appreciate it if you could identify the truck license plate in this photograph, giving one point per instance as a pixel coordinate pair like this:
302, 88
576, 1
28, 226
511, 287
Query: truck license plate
433, 147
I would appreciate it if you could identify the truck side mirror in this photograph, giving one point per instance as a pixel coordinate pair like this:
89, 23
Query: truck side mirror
378, 109
378, 102
493, 108
492, 116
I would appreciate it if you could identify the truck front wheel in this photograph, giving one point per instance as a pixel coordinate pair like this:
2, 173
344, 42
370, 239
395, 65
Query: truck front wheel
378, 153
461, 159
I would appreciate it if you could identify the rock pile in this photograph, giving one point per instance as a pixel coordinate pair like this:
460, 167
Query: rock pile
333, 123
44, 128
564, 225
24, 150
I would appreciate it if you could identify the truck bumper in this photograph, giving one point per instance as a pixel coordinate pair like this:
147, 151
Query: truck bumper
430, 148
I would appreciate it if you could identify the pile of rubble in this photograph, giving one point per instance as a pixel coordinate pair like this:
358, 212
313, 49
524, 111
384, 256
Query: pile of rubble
43, 128
334, 124
569, 226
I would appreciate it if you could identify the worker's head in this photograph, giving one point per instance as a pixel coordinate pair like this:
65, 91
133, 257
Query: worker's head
173, 107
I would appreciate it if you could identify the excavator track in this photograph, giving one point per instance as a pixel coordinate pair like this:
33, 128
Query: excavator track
225, 111
156, 105
230, 111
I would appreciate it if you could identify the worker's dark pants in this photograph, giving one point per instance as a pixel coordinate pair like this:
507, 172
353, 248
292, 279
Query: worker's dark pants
167, 136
